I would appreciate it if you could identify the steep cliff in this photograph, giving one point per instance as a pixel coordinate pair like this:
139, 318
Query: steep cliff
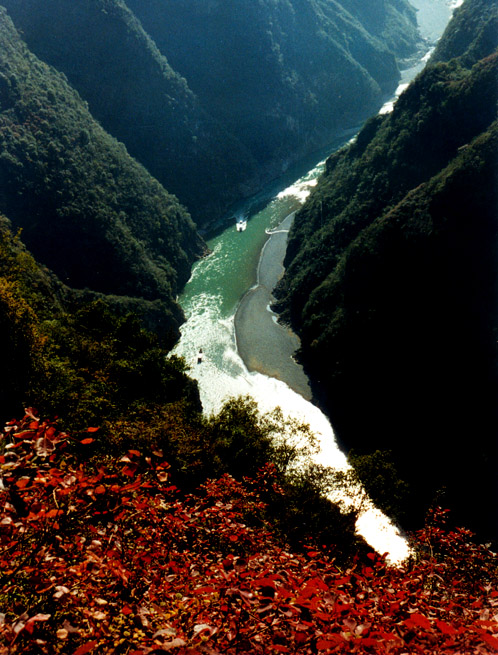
251, 86
79, 356
391, 281
87, 210
137, 97
283, 78
471, 35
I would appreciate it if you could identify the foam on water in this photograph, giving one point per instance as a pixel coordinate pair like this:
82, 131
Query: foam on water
387, 107
301, 189
222, 375
209, 302
220, 280
222, 379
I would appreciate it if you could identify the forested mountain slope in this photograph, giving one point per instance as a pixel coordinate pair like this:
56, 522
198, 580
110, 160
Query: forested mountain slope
263, 83
136, 96
472, 34
283, 77
391, 280
71, 355
88, 211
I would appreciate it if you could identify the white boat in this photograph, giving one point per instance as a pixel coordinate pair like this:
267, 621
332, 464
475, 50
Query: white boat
241, 225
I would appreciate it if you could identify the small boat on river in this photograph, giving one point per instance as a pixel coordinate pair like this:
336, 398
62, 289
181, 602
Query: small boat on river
241, 225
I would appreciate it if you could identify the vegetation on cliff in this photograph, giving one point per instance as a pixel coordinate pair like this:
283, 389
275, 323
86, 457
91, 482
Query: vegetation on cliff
245, 89
472, 34
75, 358
145, 526
88, 211
282, 77
72, 355
138, 98
390, 281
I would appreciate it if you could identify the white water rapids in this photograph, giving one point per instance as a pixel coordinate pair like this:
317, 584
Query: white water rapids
219, 281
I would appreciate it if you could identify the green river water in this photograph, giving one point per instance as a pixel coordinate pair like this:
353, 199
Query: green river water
210, 301
219, 283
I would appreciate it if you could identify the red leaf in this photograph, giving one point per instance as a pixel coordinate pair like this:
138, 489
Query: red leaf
446, 628
27, 434
264, 582
53, 512
30, 624
491, 641
130, 470
92, 429
87, 441
323, 616
417, 621
86, 648
330, 642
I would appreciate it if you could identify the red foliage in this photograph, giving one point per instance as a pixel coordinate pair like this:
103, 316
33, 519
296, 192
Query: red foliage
114, 560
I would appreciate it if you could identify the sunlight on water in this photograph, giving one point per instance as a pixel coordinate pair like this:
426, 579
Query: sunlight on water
209, 302
301, 189
219, 281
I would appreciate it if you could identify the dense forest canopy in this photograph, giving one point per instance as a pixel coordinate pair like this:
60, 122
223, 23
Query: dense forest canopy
100, 227
107, 238
137, 97
391, 277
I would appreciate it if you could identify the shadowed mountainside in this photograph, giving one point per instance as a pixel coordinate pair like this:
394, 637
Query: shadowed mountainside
87, 210
246, 89
391, 279
137, 97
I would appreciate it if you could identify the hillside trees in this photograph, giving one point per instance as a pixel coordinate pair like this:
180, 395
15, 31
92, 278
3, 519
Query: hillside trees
138, 98
76, 354
391, 282
221, 98
88, 211
283, 77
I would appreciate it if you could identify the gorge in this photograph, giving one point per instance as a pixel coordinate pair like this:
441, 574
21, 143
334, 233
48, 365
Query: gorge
258, 440
108, 232
212, 302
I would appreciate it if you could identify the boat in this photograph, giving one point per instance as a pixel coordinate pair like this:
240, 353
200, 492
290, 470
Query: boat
241, 225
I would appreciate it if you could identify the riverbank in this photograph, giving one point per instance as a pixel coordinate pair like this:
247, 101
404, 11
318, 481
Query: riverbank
264, 345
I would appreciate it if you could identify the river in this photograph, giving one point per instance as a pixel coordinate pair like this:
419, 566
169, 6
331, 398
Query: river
236, 280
